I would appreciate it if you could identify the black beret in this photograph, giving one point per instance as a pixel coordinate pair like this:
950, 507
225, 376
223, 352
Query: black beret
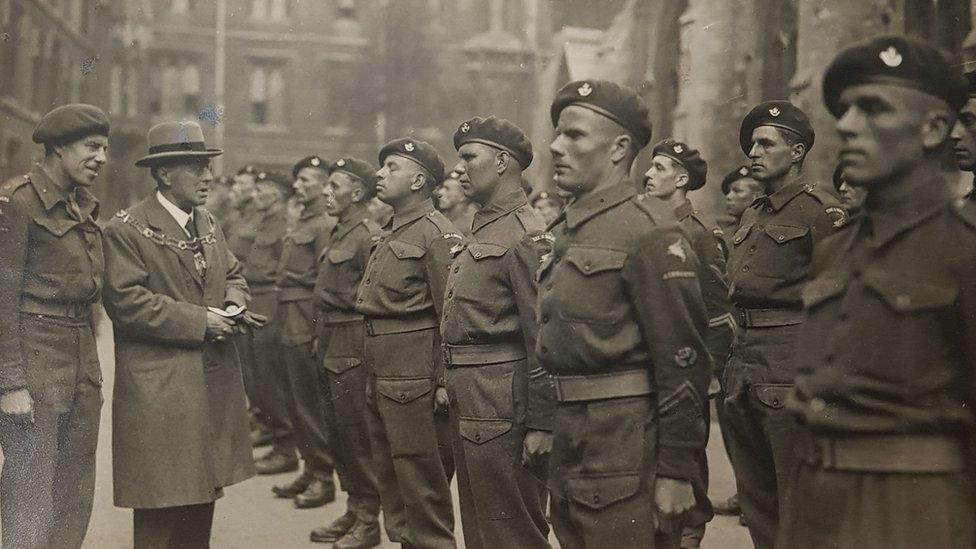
498, 133
420, 152
687, 157
70, 122
779, 114
280, 180
313, 161
362, 171
616, 102
897, 60
247, 169
742, 172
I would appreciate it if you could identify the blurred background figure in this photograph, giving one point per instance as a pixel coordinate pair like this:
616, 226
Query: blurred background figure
220, 200
851, 198
450, 200
548, 206
380, 212
740, 190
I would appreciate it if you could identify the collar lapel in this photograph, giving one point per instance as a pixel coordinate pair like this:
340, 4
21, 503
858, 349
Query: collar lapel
581, 211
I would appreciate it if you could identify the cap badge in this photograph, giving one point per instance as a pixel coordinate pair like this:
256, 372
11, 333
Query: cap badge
890, 57
678, 149
341, 162
774, 112
315, 161
465, 128
409, 147
262, 175
585, 89
743, 171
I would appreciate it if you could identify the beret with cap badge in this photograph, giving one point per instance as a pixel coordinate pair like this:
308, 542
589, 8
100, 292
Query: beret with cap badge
688, 158
70, 122
418, 151
742, 172
313, 161
360, 170
498, 133
896, 60
778, 114
618, 103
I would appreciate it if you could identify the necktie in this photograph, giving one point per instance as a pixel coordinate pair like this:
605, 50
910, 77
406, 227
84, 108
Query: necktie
191, 228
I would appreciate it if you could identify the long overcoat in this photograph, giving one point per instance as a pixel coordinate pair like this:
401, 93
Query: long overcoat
179, 418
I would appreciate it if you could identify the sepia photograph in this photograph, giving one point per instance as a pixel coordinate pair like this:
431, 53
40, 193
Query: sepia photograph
488, 274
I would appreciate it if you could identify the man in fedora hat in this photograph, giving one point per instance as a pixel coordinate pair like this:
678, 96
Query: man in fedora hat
175, 295
50, 380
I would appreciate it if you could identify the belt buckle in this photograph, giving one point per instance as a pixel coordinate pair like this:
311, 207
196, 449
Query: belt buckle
446, 354
743, 317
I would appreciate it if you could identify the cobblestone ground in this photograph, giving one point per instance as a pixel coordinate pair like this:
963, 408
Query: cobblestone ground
250, 517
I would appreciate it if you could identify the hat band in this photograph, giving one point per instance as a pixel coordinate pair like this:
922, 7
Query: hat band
186, 146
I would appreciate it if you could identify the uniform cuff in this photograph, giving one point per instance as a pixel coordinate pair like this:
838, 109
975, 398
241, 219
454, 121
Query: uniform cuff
678, 463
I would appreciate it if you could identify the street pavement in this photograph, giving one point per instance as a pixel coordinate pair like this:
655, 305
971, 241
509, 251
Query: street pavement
250, 517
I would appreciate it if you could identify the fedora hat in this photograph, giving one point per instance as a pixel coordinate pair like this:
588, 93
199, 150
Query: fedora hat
173, 140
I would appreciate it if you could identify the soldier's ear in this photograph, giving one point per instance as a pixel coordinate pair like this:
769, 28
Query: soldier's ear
936, 129
797, 152
419, 181
502, 159
621, 148
682, 180
358, 194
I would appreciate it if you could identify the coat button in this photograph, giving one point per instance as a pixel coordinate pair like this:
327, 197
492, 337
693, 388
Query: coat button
781, 238
549, 287
545, 318
477, 254
586, 267
596, 499
457, 268
745, 268
403, 396
752, 249
477, 437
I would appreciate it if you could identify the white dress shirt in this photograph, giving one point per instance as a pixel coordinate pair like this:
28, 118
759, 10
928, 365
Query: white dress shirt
179, 215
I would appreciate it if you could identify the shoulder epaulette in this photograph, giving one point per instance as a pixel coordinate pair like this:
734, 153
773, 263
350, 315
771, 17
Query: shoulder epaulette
11, 185
372, 226
965, 210
442, 223
657, 210
530, 220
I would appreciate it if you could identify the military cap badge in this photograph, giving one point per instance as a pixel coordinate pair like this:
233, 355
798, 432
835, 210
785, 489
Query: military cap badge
315, 161
341, 162
585, 89
685, 356
409, 147
465, 128
890, 57
743, 171
678, 149
774, 111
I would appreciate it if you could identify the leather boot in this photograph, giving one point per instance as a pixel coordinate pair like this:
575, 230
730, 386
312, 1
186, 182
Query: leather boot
317, 494
362, 536
334, 531
294, 487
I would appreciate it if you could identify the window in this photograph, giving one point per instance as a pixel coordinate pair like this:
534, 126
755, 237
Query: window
346, 9
191, 88
273, 10
267, 95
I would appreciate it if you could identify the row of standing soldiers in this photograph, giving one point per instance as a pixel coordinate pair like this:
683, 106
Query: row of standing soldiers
571, 361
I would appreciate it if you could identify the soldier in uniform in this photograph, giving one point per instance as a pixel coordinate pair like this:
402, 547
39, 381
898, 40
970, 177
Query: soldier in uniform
401, 296
351, 184
887, 352
501, 400
740, 191
622, 318
768, 263
175, 293
455, 206
260, 244
964, 134
675, 170
50, 378
297, 271
851, 197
